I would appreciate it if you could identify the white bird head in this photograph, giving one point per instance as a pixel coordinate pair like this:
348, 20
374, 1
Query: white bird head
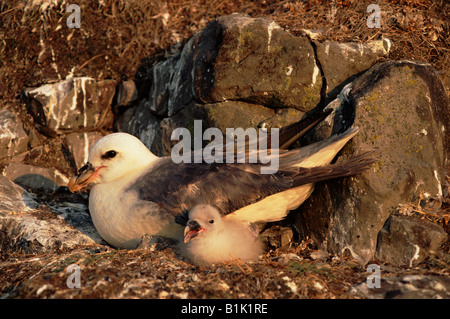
112, 158
202, 219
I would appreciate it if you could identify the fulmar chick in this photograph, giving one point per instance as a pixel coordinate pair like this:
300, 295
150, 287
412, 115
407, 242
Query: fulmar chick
211, 239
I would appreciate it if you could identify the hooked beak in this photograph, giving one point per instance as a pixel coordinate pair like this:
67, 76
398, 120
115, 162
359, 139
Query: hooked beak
87, 174
193, 229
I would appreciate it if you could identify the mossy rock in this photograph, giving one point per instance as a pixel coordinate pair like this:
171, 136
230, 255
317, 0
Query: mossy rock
403, 114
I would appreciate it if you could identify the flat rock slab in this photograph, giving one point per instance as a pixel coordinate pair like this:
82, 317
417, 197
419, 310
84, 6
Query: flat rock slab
343, 62
408, 241
70, 105
255, 60
13, 138
29, 176
407, 287
32, 228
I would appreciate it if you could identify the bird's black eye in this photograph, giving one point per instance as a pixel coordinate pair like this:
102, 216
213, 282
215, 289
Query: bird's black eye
211, 221
109, 155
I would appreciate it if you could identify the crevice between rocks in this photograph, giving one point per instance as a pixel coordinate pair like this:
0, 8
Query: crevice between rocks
323, 89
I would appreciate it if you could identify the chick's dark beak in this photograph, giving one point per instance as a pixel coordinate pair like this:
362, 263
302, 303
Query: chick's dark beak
192, 230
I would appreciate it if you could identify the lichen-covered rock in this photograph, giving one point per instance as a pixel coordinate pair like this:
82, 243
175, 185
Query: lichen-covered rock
237, 58
254, 59
234, 73
403, 114
407, 241
342, 62
230, 114
282, 117
248, 69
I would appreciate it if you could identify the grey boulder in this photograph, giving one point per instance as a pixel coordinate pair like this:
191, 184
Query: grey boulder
403, 114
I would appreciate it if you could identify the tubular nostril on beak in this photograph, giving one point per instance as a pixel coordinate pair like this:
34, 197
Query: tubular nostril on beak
83, 169
192, 224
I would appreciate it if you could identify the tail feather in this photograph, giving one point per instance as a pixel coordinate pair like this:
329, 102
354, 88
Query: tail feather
307, 166
277, 206
353, 166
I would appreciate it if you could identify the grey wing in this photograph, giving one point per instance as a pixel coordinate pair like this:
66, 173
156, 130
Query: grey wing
179, 187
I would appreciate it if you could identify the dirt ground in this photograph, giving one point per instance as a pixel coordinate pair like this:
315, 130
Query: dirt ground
295, 272
37, 47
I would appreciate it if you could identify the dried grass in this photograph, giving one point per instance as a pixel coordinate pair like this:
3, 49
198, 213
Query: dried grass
118, 34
